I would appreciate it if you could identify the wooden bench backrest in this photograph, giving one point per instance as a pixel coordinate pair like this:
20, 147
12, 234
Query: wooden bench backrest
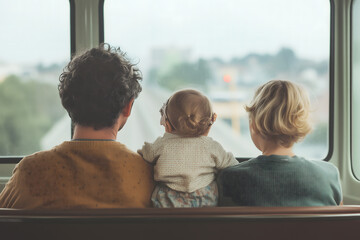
206, 223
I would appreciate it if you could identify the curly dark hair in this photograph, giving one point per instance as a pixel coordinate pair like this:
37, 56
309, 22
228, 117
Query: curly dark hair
96, 85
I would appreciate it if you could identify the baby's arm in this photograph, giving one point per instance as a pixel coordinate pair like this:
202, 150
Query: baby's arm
223, 159
150, 151
147, 152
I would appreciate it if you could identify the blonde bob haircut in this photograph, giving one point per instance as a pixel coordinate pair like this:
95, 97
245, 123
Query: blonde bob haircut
279, 112
189, 113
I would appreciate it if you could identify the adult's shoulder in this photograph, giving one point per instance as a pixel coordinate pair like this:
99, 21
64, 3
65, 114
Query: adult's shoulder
39, 159
327, 167
320, 164
319, 168
122, 149
34, 170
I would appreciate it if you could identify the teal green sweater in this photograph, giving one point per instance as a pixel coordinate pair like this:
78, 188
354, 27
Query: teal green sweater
280, 181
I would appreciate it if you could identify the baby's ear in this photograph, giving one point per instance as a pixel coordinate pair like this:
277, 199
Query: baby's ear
168, 127
214, 117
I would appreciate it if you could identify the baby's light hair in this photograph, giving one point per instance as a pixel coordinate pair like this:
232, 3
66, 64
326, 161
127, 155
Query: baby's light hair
279, 112
190, 113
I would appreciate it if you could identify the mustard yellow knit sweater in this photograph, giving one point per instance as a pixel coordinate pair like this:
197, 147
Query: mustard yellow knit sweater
80, 174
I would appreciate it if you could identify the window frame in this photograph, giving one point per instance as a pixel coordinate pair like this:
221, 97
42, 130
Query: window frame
355, 173
17, 158
331, 82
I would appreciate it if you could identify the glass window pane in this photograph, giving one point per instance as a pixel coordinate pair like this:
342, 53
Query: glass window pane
34, 48
355, 133
225, 49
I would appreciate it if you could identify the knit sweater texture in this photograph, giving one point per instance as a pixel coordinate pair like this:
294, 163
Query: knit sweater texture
80, 174
280, 181
186, 164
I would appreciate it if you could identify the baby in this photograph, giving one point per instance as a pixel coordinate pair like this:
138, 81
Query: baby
186, 159
278, 118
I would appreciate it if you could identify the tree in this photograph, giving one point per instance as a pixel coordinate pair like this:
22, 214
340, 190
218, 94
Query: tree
27, 111
283, 62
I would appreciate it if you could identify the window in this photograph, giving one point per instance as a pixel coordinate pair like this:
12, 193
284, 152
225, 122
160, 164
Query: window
34, 48
355, 77
225, 49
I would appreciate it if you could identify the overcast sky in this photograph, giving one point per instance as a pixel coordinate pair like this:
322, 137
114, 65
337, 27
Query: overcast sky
220, 28
34, 30
38, 30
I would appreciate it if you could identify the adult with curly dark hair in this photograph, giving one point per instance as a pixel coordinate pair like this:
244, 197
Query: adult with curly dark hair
97, 88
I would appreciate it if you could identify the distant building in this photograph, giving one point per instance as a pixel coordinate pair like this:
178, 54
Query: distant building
144, 125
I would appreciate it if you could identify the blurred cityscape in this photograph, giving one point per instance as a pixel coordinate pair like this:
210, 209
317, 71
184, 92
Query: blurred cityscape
28, 95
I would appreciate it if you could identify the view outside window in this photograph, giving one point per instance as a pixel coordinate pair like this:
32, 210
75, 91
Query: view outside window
34, 48
355, 87
225, 49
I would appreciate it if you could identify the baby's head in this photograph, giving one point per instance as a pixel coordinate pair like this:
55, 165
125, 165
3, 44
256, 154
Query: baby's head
189, 113
279, 112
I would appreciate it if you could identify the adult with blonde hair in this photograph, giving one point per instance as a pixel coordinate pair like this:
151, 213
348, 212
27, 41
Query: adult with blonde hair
278, 118
186, 159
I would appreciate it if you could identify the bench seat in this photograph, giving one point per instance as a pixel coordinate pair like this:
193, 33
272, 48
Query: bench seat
336, 222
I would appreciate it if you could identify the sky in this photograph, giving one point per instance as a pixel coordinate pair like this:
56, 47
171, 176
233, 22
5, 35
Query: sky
34, 31
220, 28
39, 30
